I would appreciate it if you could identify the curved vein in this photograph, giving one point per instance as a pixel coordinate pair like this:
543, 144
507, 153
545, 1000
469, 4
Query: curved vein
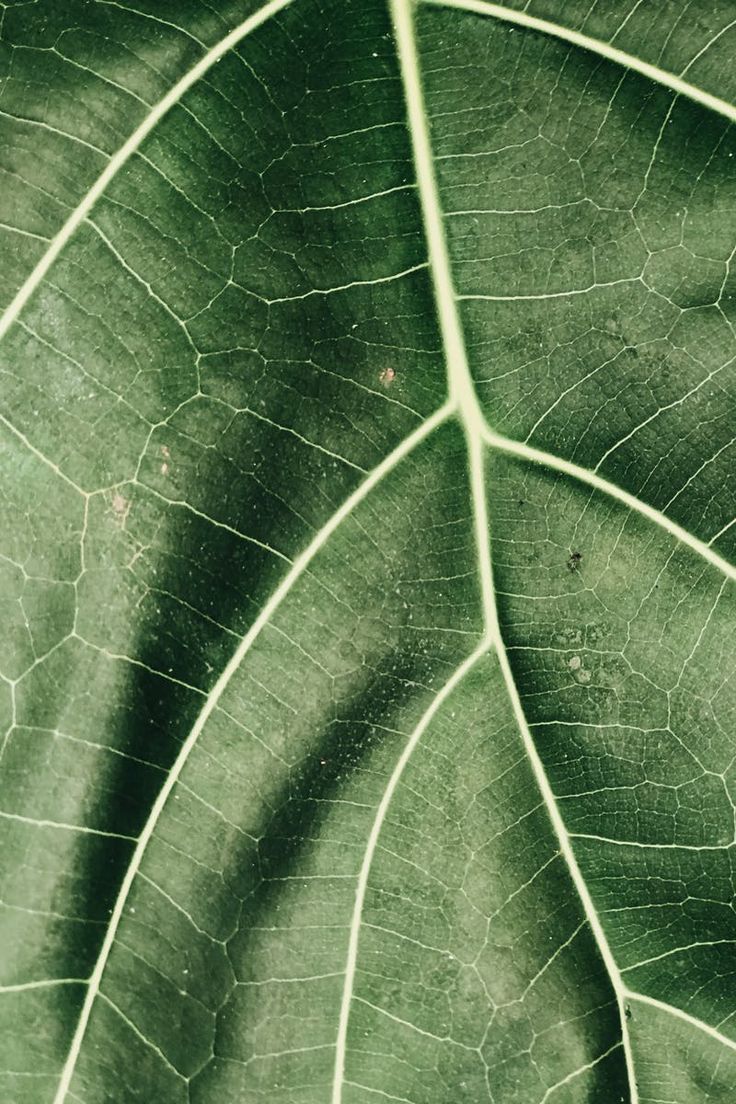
585, 475
461, 383
595, 45
463, 399
680, 1015
298, 568
127, 150
365, 869
564, 841
462, 390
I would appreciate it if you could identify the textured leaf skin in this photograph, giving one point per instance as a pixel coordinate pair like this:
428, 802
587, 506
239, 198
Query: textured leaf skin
368, 705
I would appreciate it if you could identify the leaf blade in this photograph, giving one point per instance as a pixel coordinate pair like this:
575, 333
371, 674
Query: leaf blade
223, 972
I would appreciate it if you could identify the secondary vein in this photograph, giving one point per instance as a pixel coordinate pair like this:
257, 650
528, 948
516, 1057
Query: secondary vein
463, 394
365, 869
585, 475
673, 81
127, 150
299, 566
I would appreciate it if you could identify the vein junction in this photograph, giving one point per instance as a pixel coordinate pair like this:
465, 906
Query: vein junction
464, 399
464, 405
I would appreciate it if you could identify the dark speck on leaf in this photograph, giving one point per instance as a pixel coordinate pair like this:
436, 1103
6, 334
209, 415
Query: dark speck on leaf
573, 560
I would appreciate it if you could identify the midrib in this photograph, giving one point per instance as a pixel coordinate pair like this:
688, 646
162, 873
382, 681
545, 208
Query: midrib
460, 379
463, 394
463, 402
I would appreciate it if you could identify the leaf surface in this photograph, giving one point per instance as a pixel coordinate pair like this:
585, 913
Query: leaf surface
366, 553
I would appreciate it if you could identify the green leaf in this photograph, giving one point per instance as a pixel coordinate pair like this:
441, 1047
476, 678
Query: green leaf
367, 553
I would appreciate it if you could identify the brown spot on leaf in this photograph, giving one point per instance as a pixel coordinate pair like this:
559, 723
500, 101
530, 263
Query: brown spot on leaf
120, 508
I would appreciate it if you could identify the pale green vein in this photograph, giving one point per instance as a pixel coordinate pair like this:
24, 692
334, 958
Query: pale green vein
596, 46
678, 1013
463, 394
378, 821
46, 983
298, 568
58, 825
578, 1072
40, 456
389, 279
584, 475
182, 504
127, 150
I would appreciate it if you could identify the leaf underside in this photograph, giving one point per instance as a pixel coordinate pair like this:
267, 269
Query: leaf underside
366, 562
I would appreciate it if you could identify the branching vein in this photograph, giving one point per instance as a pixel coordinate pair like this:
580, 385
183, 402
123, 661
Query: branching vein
575, 38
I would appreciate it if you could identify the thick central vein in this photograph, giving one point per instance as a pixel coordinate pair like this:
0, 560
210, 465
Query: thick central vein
462, 393
463, 402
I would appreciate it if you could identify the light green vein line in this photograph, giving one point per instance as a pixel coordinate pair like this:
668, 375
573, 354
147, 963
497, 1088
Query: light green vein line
60, 826
680, 1015
126, 151
584, 475
48, 983
464, 397
460, 383
596, 46
298, 568
357, 919
40, 456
